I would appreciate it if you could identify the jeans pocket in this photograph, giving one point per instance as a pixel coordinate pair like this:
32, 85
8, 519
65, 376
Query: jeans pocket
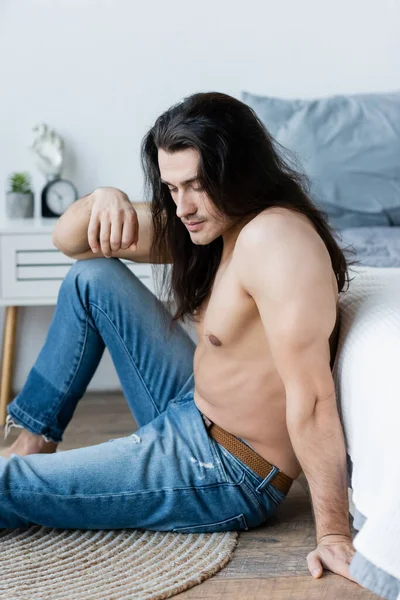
237, 523
230, 467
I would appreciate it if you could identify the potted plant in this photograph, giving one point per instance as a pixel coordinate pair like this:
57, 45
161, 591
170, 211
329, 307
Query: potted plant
19, 200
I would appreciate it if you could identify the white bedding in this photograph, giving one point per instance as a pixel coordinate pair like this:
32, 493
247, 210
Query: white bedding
367, 378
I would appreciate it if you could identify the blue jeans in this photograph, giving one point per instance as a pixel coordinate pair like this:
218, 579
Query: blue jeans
169, 475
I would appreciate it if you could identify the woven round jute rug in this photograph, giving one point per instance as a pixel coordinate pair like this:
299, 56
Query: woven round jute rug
40, 563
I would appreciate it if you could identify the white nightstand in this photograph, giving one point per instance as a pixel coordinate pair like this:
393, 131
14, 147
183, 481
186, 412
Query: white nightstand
31, 272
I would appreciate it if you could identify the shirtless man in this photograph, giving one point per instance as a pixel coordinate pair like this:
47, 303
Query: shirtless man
267, 322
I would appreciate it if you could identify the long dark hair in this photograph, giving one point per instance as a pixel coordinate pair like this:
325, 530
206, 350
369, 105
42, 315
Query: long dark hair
242, 169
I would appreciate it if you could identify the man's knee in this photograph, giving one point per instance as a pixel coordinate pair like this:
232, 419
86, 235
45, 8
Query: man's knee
98, 274
101, 269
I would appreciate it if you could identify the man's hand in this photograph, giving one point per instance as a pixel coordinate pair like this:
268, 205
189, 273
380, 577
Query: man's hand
334, 552
113, 222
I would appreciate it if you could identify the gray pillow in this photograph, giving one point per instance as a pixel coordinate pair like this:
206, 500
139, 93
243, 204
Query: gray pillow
349, 146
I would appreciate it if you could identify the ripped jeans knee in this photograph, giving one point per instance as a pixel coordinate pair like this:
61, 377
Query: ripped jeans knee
11, 423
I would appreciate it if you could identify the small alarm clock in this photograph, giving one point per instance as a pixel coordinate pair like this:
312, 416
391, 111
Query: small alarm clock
57, 196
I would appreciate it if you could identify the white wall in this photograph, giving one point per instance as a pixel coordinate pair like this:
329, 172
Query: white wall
101, 71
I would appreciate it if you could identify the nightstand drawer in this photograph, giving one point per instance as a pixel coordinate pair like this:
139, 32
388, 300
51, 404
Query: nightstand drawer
31, 267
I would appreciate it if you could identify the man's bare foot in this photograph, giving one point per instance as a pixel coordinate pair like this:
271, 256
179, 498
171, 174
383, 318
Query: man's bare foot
29, 443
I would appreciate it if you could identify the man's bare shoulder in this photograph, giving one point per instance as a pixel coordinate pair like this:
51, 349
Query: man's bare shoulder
287, 244
275, 224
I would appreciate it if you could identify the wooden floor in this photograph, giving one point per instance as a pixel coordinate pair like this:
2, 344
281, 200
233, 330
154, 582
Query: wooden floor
269, 562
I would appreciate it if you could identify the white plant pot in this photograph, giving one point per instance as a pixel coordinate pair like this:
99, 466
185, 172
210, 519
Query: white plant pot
19, 205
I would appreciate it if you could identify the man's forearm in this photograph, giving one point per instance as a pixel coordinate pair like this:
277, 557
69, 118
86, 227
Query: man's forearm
71, 230
319, 446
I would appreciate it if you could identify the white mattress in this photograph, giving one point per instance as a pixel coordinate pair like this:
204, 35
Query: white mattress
367, 378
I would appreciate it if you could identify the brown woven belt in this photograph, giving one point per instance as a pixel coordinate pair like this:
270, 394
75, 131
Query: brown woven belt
250, 457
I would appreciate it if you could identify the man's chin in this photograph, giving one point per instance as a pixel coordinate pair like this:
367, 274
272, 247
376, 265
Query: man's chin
202, 238
201, 241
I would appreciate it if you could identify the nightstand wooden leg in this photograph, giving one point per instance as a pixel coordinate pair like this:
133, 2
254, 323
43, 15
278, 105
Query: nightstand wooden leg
10, 328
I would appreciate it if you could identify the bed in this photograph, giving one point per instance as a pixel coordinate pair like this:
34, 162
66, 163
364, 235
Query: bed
374, 246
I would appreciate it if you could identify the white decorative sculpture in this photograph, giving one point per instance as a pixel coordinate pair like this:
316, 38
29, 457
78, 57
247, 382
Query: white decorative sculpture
48, 148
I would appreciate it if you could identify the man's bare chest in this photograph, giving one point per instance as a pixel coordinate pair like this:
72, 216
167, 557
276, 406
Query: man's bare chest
229, 316
229, 319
